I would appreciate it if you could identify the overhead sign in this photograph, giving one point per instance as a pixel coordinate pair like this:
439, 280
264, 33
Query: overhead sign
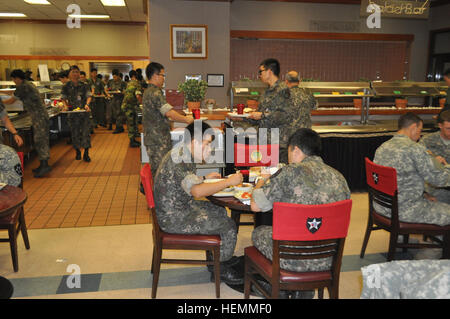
414, 9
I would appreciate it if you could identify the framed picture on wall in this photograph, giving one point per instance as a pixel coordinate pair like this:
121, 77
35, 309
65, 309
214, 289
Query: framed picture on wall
214, 79
188, 41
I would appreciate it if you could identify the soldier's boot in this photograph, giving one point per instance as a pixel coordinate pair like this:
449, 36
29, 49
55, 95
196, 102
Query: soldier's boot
134, 143
118, 130
43, 169
78, 156
86, 157
109, 127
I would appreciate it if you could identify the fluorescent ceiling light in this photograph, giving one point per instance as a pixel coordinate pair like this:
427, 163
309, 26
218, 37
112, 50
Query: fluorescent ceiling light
12, 15
89, 16
113, 3
37, 1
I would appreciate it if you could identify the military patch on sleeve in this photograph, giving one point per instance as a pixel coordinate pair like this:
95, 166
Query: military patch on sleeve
18, 169
313, 224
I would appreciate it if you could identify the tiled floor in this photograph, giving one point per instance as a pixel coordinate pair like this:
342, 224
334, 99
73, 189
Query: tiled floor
114, 254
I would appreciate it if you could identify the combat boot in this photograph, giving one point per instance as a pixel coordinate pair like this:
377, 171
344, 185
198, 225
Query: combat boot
86, 157
43, 169
134, 143
78, 156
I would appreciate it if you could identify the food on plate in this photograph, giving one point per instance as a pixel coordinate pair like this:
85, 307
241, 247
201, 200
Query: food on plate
246, 195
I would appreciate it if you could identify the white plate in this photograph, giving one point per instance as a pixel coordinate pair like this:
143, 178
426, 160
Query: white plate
2, 185
238, 115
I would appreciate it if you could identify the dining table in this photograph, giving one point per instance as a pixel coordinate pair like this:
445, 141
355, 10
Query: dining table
11, 199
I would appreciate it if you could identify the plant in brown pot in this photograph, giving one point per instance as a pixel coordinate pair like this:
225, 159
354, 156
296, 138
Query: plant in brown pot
194, 92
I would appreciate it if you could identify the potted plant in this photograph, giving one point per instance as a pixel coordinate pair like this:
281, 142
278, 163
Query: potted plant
194, 92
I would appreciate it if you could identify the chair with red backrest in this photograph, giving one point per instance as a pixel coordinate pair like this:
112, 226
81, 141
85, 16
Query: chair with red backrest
301, 232
382, 185
163, 240
250, 155
15, 223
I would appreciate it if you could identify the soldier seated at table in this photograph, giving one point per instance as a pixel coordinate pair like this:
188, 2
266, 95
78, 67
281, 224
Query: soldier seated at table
305, 180
438, 144
10, 166
176, 187
414, 166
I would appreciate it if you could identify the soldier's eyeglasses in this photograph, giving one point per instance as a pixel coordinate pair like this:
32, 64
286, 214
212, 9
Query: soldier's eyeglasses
260, 71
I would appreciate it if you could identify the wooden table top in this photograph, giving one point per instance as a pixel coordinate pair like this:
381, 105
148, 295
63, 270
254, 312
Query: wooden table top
11, 197
230, 202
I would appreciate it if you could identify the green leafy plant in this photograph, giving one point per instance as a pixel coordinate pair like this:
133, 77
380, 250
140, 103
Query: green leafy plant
193, 90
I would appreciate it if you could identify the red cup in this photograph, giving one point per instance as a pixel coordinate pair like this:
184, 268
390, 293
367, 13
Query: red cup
196, 113
240, 108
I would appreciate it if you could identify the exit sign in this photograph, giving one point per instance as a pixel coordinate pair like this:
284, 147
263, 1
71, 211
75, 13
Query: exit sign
414, 9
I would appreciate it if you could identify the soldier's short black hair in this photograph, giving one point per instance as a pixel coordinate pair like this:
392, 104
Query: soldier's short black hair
271, 64
447, 73
82, 73
74, 67
307, 140
139, 71
63, 74
94, 70
444, 117
116, 72
133, 73
17, 73
407, 119
99, 76
189, 131
153, 68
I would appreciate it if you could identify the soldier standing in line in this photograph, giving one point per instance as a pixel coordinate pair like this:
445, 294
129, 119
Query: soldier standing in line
414, 166
176, 187
306, 180
438, 143
274, 109
76, 95
156, 115
302, 102
10, 166
131, 101
115, 85
9, 126
32, 103
98, 103
83, 77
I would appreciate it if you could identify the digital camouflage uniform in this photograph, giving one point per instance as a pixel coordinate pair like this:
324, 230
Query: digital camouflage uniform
276, 113
414, 167
10, 166
98, 103
178, 212
34, 106
130, 107
115, 110
303, 102
156, 125
310, 182
79, 123
407, 279
440, 147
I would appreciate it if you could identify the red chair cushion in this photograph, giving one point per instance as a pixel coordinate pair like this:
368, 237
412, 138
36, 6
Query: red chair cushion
285, 276
380, 219
147, 182
190, 240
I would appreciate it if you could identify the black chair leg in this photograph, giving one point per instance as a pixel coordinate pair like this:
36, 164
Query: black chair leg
446, 244
216, 257
366, 238
392, 246
23, 229
236, 216
157, 267
405, 241
13, 245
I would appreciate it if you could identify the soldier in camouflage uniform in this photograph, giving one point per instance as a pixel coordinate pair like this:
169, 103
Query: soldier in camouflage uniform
414, 166
176, 187
156, 115
306, 180
98, 103
32, 103
274, 110
407, 279
10, 166
130, 105
302, 101
78, 95
438, 143
8, 125
116, 85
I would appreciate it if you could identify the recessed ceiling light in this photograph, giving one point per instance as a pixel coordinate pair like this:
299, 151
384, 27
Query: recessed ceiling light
89, 16
37, 1
12, 15
113, 3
